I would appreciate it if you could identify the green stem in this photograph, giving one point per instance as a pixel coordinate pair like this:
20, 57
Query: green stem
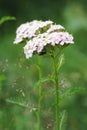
57, 93
40, 94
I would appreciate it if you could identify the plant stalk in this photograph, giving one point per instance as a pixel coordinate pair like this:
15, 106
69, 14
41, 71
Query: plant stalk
40, 94
57, 93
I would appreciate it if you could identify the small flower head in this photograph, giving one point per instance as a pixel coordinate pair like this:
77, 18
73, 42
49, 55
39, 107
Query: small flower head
60, 38
30, 30
40, 34
56, 28
37, 44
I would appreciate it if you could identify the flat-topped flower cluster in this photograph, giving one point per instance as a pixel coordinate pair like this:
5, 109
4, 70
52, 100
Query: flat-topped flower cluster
39, 34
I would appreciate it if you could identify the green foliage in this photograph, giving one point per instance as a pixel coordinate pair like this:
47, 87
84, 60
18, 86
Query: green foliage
63, 118
17, 102
44, 80
60, 62
5, 19
70, 92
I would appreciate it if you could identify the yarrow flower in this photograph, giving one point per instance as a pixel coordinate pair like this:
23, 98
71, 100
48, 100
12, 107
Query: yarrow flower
30, 29
55, 28
60, 38
39, 34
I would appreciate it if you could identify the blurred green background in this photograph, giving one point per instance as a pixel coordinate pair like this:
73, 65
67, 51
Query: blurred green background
18, 75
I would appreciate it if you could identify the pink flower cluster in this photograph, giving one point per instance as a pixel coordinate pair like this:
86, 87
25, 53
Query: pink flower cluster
39, 34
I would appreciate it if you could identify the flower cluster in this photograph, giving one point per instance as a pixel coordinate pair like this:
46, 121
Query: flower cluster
39, 34
30, 30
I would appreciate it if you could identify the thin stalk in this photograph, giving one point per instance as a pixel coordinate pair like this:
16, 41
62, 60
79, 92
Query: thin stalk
40, 94
55, 58
57, 93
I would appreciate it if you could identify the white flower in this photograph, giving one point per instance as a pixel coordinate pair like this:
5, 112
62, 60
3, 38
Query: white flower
37, 44
29, 48
39, 34
29, 29
60, 38
41, 42
55, 28
44, 24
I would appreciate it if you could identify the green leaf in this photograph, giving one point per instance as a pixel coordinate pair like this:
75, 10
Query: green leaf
71, 92
44, 80
63, 120
61, 61
6, 18
17, 102
21, 103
